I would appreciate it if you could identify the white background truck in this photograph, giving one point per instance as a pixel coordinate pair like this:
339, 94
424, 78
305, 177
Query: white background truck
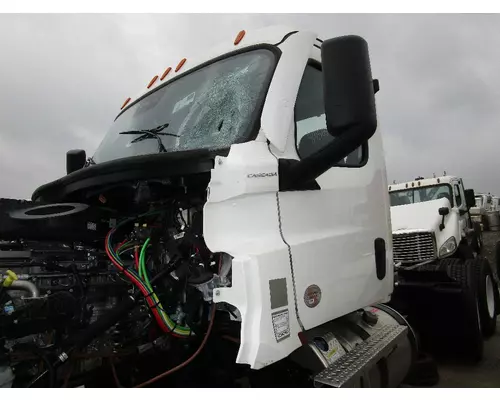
237, 211
495, 203
449, 291
479, 212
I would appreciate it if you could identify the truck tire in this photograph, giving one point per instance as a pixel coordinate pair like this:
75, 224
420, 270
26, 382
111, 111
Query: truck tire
472, 343
424, 372
477, 241
465, 251
486, 223
497, 258
487, 293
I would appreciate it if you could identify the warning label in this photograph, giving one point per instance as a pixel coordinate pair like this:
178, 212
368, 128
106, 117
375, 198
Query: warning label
335, 350
281, 325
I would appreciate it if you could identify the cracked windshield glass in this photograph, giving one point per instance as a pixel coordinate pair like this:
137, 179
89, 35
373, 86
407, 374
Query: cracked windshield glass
210, 108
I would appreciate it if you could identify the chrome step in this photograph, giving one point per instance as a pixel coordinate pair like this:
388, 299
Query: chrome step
351, 366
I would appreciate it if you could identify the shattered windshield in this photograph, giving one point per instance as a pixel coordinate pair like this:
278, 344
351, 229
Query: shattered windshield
419, 195
212, 107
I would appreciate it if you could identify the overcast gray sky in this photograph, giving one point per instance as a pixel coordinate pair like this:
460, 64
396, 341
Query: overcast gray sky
64, 77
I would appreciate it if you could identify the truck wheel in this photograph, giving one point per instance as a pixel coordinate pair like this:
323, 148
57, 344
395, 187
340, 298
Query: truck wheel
487, 293
466, 252
424, 372
470, 328
497, 258
486, 223
477, 242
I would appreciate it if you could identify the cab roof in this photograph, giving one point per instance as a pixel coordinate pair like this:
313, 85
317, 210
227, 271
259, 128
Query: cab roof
174, 67
422, 182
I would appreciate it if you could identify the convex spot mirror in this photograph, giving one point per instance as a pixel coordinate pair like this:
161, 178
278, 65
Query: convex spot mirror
75, 160
444, 211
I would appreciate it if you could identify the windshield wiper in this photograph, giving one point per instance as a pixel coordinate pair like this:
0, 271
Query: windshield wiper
154, 133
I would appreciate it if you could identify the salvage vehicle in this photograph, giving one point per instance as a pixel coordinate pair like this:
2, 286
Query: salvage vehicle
232, 229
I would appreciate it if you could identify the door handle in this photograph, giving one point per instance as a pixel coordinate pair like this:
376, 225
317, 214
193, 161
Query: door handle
380, 258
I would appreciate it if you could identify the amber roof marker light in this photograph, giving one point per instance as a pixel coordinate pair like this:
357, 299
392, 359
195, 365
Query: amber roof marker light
239, 37
181, 63
152, 81
125, 103
167, 71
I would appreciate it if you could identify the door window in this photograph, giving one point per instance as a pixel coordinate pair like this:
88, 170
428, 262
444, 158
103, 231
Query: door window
311, 132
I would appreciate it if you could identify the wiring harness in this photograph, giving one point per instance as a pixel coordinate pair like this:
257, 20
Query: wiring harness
140, 278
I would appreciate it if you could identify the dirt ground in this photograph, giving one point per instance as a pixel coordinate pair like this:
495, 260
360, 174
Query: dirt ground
486, 374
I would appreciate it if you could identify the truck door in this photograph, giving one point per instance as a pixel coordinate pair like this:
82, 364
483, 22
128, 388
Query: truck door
459, 197
331, 232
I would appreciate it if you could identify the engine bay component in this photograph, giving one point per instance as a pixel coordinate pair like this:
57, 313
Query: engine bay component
136, 290
48, 211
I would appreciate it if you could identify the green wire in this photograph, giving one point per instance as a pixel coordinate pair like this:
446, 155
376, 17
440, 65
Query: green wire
142, 265
142, 271
144, 275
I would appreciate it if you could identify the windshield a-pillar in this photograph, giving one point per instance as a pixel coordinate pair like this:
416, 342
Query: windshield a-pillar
211, 107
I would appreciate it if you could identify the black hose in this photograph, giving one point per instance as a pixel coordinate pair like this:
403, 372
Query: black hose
83, 338
50, 368
2, 293
102, 324
83, 297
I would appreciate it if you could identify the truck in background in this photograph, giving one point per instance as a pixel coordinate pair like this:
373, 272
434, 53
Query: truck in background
479, 213
495, 203
447, 290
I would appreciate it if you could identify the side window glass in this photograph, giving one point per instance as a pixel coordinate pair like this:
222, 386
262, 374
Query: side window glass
458, 196
310, 120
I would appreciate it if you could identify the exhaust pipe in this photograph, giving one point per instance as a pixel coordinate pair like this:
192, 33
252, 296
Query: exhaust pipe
26, 286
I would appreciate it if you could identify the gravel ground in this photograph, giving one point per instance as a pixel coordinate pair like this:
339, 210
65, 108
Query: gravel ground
487, 373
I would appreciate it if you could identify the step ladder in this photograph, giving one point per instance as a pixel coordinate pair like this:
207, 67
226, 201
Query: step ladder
348, 369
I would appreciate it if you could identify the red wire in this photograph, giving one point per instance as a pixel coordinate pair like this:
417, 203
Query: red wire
202, 345
136, 254
120, 245
143, 290
113, 371
138, 284
182, 365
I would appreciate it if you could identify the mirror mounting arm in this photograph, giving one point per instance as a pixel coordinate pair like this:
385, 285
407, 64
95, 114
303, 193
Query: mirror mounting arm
443, 211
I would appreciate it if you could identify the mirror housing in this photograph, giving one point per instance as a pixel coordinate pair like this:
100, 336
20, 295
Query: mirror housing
470, 198
75, 160
349, 99
348, 87
444, 211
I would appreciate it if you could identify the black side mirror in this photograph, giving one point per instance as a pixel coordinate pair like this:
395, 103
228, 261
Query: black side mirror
75, 160
470, 198
444, 211
349, 90
349, 99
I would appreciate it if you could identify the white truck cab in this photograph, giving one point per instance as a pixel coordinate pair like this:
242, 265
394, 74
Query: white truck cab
271, 140
495, 203
430, 219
